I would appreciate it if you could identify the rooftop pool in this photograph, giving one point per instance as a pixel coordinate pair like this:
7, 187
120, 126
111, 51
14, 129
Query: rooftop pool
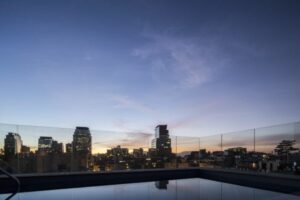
187, 189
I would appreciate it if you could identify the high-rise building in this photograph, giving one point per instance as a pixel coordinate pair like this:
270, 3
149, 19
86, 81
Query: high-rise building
69, 148
152, 152
82, 140
82, 149
45, 144
138, 153
48, 145
12, 144
57, 147
119, 152
203, 154
25, 149
119, 158
162, 141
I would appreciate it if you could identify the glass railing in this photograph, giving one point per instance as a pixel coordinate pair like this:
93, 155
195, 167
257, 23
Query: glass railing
35, 149
187, 153
272, 149
211, 151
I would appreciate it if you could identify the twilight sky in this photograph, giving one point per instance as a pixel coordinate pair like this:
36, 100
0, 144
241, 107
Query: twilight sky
202, 67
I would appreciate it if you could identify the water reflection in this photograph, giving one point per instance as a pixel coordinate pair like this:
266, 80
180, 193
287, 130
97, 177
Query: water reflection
162, 185
174, 189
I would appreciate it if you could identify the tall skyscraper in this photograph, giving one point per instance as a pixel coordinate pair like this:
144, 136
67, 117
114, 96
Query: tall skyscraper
82, 149
45, 144
12, 145
162, 142
82, 140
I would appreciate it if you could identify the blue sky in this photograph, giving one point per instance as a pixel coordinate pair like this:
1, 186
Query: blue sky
202, 67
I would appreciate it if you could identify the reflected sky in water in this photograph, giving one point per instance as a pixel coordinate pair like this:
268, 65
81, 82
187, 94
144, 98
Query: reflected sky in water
186, 189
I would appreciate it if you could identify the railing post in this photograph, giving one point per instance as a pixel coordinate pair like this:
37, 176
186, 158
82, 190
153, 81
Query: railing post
176, 152
18, 154
254, 140
222, 151
221, 142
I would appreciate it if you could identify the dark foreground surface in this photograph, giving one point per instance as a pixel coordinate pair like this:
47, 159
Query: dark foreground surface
195, 188
36, 182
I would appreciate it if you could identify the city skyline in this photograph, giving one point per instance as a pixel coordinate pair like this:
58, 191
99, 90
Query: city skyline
200, 67
266, 138
162, 153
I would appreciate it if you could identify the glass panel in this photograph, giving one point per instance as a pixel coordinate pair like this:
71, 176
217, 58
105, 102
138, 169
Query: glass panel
188, 152
273, 146
49, 150
297, 134
243, 139
43, 149
46, 149
173, 159
211, 154
296, 155
266, 139
113, 151
9, 158
238, 148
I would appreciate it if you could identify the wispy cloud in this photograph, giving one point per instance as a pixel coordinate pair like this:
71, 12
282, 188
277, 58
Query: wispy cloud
190, 62
128, 103
195, 114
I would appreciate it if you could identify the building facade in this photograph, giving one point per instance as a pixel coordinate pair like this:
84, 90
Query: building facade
82, 149
82, 140
12, 145
45, 144
162, 142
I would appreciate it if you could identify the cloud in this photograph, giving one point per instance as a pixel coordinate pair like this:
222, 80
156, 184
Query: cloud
195, 114
126, 102
189, 62
183, 122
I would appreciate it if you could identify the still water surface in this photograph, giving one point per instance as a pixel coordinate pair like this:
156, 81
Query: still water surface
185, 189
